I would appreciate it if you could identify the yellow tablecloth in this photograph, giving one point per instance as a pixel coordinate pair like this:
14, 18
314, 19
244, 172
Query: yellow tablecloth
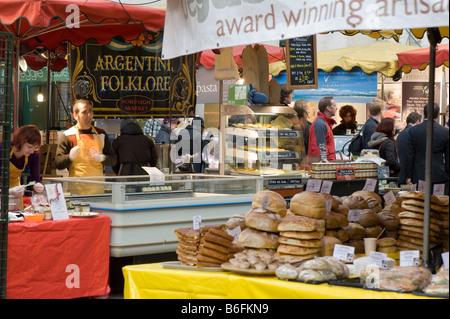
152, 281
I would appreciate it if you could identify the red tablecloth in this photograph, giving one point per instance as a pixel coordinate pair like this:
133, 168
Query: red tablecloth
58, 259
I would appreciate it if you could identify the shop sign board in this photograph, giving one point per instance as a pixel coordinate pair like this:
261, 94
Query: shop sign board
129, 79
301, 63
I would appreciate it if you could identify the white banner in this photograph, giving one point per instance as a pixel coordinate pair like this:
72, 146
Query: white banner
195, 25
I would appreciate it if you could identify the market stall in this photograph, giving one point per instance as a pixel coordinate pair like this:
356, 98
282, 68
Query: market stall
58, 259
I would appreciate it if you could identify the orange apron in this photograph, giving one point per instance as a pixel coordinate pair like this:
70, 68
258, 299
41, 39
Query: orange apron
84, 165
14, 176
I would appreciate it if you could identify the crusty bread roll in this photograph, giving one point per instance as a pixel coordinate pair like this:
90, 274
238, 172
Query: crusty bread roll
235, 221
302, 234
308, 204
262, 219
327, 245
299, 242
386, 241
373, 231
368, 218
358, 244
387, 249
339, 233
253, 238
270, 200
365, 194
296, 250
300, 223
355, 231
355, 202
334, 220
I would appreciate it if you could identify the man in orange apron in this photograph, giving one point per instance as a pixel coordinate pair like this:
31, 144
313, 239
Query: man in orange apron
84, 149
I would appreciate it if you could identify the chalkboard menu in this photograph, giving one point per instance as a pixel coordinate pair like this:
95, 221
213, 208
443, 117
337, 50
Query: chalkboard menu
301, 63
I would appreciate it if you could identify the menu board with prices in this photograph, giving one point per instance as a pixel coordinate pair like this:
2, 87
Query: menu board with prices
301, 63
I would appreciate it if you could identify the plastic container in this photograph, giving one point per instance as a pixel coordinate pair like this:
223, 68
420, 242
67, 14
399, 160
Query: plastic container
34, 218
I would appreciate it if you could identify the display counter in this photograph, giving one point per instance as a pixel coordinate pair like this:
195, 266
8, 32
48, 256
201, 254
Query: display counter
153, 281
58, 259
144, 214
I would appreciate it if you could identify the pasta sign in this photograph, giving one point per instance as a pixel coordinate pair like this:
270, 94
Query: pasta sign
131, 79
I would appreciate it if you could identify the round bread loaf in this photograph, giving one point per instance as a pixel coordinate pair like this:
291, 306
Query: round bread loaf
270, 200
342, 210
253, 238
262, 219
339, 233
334, 202
366, 194
368, 218
300, 223
374, 204
388, 220
355, 231
308, 204
373, 231
386, 241
358, 244
334, 220
355, 202
235, 221
327, 245
387, 249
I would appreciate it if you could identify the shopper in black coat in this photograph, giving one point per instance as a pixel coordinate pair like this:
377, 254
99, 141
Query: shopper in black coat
383, 140
417, 150
133, 150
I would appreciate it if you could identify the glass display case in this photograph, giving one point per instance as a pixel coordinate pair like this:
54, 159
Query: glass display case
145, 213
263, 142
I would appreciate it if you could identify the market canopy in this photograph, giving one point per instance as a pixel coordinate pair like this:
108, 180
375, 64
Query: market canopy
191, 26
420, 58
380, 56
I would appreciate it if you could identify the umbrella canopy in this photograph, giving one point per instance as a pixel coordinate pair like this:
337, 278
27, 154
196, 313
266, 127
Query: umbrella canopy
420, 58
378, 56
48, 22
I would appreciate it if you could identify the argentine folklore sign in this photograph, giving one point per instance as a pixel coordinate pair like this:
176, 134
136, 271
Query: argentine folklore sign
129, 79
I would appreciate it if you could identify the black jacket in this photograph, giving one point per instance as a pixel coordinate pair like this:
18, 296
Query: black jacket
369, 128
402, 146
133, 150
417, 150
388, 151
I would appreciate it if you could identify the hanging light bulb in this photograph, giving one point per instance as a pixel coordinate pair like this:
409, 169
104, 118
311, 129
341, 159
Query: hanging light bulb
40, 96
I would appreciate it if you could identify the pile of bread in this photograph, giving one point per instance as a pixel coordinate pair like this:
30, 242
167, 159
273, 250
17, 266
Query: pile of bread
210, 246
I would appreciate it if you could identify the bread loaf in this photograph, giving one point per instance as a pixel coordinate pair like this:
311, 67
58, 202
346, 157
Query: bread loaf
387, 249
366, 194
358, 244
355, 231
308, 204
326, 247
339, 233
302, 234
388, 220
270, 200
300, 223
262, 219
296, 250
235, 221
253, 238
355, 202
292, 259
299, 242
373, 231
384, 242
334, 220
368, 218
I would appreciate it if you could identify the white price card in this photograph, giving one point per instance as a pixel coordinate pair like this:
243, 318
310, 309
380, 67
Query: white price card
389, 198
57, 202
235, 232
409, 258
445, 259
370, 185
421, 186
326, 187
313, 185
197, 222
344, 253
328, 205
438, 189
378, 259
354, 215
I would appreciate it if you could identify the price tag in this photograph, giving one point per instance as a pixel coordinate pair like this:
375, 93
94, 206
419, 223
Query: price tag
354, 215
326, 187
409, 258
346, 173
370, 185
344, 253
265, 201
421, 186
445, 259
197, 222
313, 185
378, 259
438, 189
235, 232
328, 205
389, 198
57, 202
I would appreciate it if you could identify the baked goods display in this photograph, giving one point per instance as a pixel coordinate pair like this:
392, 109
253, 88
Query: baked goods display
328, 170
253, 261
439, 284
